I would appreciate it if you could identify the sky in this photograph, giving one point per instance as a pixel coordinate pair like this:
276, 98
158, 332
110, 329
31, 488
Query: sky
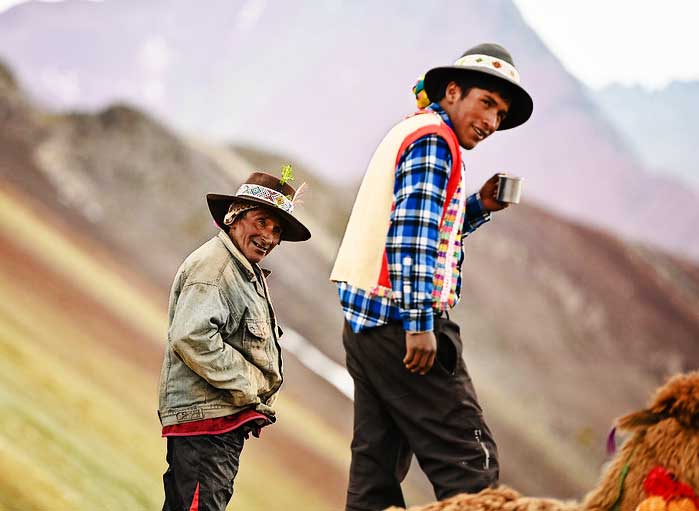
632, 42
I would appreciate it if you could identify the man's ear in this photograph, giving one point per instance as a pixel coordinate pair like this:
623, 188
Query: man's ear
452, 92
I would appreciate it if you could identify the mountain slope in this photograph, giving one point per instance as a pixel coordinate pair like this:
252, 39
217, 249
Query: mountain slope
79, 387
322, 83
565, 327
82, 324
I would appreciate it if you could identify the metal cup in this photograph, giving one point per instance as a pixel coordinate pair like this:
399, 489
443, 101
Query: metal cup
509, 188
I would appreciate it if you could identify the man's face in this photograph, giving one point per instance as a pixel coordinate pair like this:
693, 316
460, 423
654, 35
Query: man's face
475, 116
256, 233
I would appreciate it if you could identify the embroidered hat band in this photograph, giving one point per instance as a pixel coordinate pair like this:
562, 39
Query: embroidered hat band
486, 61
272, 197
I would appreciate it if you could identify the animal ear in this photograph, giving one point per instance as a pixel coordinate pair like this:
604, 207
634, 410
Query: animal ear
678, 398
639, 420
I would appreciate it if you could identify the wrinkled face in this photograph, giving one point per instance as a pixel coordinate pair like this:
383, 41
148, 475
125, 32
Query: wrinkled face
256, 233
475, 116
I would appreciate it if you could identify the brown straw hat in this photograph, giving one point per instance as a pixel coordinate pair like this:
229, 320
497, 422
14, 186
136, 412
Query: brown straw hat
264, 190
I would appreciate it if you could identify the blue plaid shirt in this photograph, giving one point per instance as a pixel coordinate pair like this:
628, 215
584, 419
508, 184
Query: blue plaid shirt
411, 244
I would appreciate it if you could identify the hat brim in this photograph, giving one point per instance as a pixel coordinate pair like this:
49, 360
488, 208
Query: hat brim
292, 229
522, 104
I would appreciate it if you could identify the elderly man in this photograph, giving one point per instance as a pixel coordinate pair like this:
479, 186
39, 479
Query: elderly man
398, 272
223, 368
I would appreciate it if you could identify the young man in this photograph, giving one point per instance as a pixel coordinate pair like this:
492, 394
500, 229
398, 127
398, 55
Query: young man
398, 272
223, 369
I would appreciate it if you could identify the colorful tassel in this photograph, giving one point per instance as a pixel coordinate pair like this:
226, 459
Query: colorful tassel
420, 94
611, 442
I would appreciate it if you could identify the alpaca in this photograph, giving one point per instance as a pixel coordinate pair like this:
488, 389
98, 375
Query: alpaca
666, 435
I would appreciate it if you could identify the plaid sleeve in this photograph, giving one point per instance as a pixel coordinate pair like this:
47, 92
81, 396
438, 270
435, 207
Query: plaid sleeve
411, 245
476, 214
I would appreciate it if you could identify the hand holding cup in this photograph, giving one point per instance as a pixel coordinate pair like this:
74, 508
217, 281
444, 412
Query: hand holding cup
500, 191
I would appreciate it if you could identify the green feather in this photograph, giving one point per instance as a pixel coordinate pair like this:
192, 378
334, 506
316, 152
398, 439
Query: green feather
287, 174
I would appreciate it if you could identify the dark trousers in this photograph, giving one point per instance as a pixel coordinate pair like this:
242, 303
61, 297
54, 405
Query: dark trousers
201, 470
397, 413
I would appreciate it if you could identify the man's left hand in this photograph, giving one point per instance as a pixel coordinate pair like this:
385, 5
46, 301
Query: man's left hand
488, 193
420, 351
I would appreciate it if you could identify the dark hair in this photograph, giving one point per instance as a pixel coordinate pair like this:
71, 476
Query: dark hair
481, 81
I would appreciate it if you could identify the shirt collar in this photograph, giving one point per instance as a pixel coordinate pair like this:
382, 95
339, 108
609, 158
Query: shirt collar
439, 110
240, 258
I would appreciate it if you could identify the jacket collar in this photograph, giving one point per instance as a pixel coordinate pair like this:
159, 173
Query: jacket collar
242, 261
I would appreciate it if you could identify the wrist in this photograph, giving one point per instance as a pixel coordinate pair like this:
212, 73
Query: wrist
418, 320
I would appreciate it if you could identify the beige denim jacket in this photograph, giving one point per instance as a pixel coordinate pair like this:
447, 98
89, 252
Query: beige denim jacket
223, 353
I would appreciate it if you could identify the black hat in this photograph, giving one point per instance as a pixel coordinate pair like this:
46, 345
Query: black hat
493, 60
266, 190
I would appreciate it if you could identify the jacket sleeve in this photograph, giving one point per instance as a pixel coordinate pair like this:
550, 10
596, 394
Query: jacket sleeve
411, 245
476, 215
200, 315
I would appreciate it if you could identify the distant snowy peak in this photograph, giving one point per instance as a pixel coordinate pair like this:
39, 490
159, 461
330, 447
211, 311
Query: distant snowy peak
661, 125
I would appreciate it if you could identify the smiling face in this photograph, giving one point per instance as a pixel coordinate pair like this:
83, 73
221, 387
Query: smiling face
256, 233
476, 115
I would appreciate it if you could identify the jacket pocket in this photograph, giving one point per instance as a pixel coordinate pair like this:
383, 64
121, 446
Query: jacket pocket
256, 339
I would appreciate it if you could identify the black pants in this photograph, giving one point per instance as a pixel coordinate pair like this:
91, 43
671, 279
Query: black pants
201, 470
397, 413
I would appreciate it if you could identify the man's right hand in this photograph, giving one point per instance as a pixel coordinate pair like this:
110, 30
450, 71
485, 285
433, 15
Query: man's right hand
421, 350
489, 193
